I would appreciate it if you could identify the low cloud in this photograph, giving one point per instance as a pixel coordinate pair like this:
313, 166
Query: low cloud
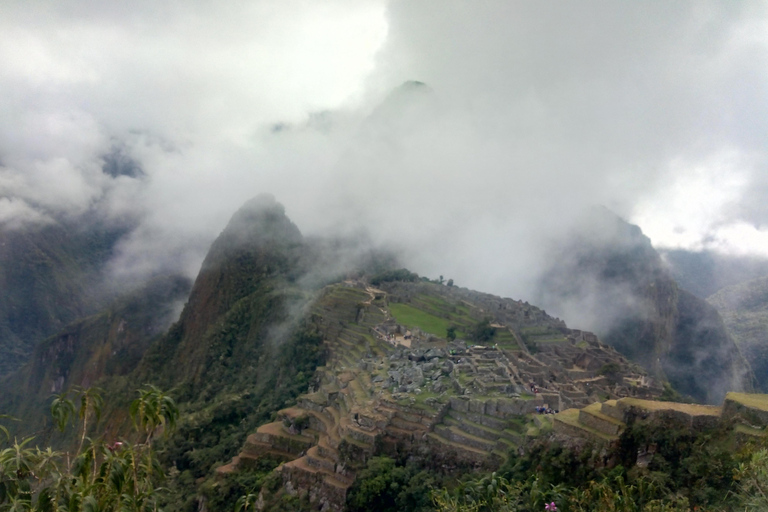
530, 113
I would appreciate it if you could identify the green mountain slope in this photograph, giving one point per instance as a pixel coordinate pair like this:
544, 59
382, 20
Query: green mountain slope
109, 344
46, 277
744, 309
240, 349
244, 286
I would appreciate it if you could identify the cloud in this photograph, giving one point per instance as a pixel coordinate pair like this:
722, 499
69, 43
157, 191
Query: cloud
17, 214
707, 205
530, 112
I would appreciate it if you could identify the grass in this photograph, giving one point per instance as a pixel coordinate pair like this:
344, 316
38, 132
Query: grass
754, 401
505, 339
412, 317
751, 431
571, 417
458, 313
538, 331
692, 409
596, 410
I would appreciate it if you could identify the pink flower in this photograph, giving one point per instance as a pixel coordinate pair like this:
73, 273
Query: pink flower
550, 507
115, 446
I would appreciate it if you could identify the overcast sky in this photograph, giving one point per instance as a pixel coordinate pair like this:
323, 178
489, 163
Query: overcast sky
531, 110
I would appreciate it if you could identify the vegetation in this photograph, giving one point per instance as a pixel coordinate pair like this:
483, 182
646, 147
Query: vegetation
410, 316
681, 471
685, 471
238, 354
99, 476
386, 276
45, 274
245, 348
211, 432
482, 332
385, 486
752, 482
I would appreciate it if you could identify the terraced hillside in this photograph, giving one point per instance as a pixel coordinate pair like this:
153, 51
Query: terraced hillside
745, 414
394, 383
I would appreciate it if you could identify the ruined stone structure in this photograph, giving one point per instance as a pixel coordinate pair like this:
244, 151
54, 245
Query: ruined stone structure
453, 402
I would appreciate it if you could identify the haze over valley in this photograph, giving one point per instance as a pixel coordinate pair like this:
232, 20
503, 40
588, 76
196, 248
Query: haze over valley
363, 237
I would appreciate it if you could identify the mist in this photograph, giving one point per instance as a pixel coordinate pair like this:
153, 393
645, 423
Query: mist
463, 137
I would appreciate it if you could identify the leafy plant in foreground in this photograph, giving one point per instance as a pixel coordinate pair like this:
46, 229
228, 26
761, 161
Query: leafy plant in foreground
118, 476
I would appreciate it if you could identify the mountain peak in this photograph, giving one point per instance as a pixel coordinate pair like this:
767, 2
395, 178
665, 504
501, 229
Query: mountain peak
259, 224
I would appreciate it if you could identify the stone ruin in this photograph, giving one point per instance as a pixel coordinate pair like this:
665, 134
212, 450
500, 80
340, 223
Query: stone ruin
458, 404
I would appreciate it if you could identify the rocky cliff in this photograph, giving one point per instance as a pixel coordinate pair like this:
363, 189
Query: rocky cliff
744, 309
608, 275
86, 352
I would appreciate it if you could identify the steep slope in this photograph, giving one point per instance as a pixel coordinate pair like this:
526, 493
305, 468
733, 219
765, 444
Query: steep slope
744, 309
46, 275
108, 344
242, 349
246, 283
608, 277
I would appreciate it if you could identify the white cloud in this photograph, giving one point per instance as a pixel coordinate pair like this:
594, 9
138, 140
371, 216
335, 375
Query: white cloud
537, 110
698, 206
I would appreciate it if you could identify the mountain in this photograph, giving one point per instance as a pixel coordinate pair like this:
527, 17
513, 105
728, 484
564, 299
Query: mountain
321, 354
235, 355
608, 276
106, 345
744, 309
245, 281
48, 275
272, 314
